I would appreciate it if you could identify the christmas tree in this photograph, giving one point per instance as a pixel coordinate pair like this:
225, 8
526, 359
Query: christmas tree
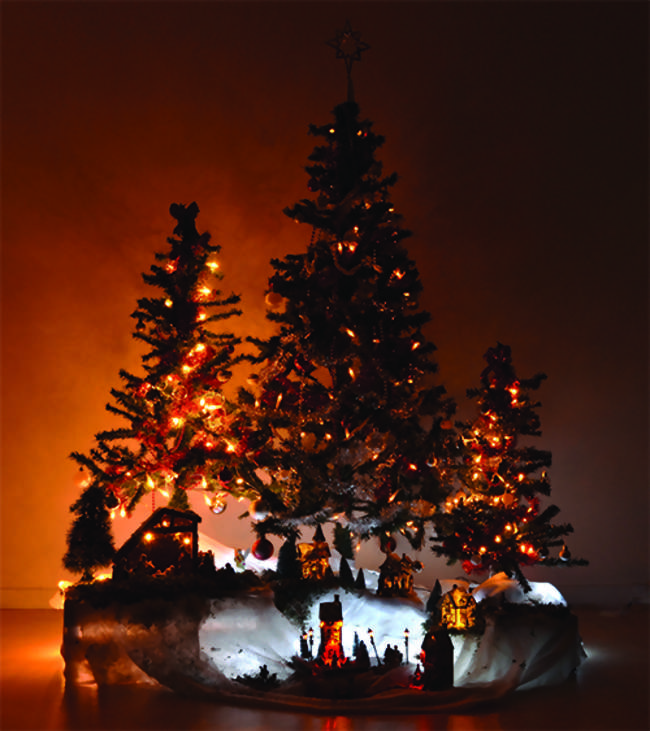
354, 427
182, 432
495, 522
90, 543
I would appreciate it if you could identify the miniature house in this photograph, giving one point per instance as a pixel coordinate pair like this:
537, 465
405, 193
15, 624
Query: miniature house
396, 575
458, 609
314, 559
165, 544
437, 658
331, 628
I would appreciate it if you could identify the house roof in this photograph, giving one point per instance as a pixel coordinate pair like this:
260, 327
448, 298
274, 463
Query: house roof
180, 521
331, 611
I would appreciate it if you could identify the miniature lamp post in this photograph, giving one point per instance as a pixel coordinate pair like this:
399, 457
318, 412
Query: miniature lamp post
406, 645
374, 647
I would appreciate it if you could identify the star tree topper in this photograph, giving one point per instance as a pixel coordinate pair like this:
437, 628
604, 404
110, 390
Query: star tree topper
348, 46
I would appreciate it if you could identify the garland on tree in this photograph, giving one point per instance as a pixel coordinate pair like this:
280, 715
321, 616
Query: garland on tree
494, 522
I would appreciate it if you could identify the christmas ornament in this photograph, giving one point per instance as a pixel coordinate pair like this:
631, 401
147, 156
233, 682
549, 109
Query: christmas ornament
218, 504
258, 510
262, 549
274, 300
388, 544
111, 501
225, 475
82, 478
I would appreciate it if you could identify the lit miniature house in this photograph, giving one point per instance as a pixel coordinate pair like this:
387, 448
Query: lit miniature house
458, 609
396, 575
314, 557
331, 628
165, 544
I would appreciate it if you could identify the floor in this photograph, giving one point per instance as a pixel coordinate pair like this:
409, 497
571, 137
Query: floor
610, 692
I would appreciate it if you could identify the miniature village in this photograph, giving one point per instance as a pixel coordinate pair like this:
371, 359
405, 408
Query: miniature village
341, 433
344, 639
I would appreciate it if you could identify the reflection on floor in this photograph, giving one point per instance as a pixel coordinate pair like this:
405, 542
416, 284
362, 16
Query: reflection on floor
610, 692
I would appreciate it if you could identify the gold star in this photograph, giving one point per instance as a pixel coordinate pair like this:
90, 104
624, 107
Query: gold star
348, 46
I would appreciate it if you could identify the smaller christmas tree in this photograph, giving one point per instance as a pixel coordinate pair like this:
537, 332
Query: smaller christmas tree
90, 544
494, 522
182, 433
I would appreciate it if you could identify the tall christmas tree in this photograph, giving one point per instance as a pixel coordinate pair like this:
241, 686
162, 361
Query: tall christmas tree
495, 521
355, 430
182, 433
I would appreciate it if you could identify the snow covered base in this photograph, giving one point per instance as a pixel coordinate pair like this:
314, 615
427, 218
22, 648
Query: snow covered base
200, 646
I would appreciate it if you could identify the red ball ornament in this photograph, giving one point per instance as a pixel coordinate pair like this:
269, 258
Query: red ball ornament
388, 544
262, 549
